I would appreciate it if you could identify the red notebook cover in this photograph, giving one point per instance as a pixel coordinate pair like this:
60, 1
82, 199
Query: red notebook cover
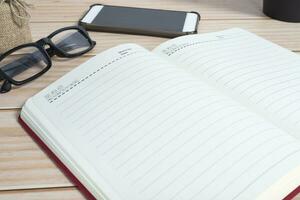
58, 162
72, 177
293, 194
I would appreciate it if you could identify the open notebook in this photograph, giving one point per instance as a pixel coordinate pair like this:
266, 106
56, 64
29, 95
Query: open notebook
213, 116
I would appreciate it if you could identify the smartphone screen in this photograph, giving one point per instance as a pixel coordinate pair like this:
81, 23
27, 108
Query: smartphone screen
140, 19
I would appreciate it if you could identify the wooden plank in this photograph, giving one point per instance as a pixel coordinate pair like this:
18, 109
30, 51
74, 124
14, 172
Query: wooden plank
282, 33
71, 10
44, 194
22, 164
49, 194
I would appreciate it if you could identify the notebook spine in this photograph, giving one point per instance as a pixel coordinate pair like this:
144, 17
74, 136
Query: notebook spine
293, 194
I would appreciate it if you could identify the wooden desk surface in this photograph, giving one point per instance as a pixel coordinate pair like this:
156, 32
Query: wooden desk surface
25, 171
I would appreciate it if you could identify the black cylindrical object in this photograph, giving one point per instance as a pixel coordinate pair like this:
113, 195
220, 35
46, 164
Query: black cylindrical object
284, 10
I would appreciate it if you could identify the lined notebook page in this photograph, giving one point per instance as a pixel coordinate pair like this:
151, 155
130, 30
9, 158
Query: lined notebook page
163, 134
257, 72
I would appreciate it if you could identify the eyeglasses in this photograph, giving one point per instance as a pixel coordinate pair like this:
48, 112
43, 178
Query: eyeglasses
27, 62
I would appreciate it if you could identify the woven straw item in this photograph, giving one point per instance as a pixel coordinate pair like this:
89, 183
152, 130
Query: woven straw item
14, 25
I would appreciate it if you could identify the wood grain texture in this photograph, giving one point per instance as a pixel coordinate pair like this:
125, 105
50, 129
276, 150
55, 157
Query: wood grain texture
47, 194
22, 163
43, 194
284, 34
70, 10
26, 173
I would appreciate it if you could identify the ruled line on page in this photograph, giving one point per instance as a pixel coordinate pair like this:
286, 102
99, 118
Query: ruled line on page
269, 153
265, 171
173, 86
189, 153
133, 120
276, 137
129, 171
284, 75
162, 122
99, 93
268, 95
283, 98
219, 64
291, 103
87, 87
188, 140
207, 51
96, 86
200, 159
170, 51
132, 170
222, 64
244, 72
74, 99
206, 54
175, 113
262, 74
140, 95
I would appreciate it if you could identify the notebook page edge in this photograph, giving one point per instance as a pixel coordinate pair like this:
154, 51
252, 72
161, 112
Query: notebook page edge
29, 114
282, 188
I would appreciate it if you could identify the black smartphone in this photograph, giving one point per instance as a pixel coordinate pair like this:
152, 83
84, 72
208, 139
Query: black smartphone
164, 23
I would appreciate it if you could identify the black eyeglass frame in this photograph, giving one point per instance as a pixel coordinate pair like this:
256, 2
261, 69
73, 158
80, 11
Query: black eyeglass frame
47, 53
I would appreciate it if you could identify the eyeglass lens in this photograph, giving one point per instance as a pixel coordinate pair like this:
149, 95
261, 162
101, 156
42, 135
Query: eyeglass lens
24, 63
71, 41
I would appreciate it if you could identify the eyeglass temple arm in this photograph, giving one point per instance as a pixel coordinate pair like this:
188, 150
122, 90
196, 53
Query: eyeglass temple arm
5, 87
